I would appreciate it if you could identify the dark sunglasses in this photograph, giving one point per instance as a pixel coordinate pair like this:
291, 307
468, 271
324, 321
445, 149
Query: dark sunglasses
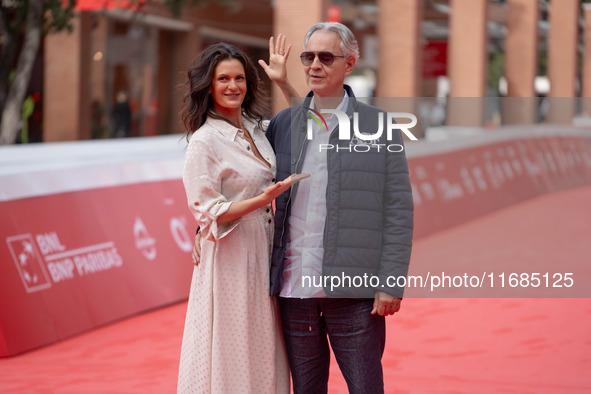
325, 57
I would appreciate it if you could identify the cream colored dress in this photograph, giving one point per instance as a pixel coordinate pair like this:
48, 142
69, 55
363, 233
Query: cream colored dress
232, 341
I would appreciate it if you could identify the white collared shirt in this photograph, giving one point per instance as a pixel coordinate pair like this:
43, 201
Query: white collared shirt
221, 168
305, 249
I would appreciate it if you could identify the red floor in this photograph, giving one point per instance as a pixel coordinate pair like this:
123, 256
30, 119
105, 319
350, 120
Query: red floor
452, 345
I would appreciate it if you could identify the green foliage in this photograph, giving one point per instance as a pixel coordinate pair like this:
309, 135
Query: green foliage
543, 63
15, 12
496, 69
58, 15
28, 108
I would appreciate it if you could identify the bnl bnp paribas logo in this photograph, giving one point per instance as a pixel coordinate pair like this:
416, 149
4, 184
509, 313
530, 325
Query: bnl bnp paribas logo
362, 140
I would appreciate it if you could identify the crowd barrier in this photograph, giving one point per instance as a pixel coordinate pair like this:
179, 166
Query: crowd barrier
459, 179
93, 232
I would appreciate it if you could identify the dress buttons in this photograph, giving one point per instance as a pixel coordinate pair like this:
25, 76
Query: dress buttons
270, 220
273, 180
268, 210
248, 148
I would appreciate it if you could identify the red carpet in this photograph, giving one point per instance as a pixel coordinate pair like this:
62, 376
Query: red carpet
466, 345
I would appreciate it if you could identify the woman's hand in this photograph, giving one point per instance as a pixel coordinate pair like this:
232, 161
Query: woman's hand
277, 67
240, 208
274, 191
196, 255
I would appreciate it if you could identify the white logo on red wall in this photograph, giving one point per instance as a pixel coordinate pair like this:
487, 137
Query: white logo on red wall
48, 261
143, 241
28, 262
180, 235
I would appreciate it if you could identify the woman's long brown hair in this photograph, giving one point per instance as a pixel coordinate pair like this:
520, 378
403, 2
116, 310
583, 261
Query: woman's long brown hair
197, 101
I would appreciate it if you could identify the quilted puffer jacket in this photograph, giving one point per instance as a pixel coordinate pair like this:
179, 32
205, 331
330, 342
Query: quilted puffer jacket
369, 223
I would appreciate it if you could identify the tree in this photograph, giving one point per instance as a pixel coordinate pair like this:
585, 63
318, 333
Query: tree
30, 20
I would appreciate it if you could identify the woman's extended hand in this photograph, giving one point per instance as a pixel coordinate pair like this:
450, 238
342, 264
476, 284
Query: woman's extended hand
277, 67
274, 191
240, 208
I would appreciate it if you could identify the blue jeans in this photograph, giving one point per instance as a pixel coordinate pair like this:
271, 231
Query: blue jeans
356, 336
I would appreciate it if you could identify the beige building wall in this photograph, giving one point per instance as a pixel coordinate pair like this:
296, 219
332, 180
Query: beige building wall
521, 62
468, 62
73, 79
399, 32
68, 57
399, 81
98, 52
562, 60
293, 19
586, 92
66, 106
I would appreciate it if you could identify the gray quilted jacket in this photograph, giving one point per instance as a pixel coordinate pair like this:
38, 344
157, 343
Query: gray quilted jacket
369, 223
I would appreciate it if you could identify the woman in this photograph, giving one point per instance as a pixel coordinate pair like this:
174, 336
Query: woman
232, 340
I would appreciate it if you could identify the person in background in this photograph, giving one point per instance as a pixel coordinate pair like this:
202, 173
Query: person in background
121, 116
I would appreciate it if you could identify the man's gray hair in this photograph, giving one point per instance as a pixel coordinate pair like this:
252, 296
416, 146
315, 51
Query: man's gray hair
349, 44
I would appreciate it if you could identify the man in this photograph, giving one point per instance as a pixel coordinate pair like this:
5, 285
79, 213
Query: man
121, 116
351, 222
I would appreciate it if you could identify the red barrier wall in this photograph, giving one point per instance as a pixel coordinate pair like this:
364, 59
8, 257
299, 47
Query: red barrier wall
452, 188
75, 261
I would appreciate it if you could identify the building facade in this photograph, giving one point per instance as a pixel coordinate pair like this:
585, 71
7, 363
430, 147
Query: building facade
409, 48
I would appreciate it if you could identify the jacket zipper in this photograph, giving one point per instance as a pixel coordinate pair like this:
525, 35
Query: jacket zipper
289, 198
334, 132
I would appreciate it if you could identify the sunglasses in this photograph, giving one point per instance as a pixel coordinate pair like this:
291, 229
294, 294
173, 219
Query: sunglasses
325, 57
